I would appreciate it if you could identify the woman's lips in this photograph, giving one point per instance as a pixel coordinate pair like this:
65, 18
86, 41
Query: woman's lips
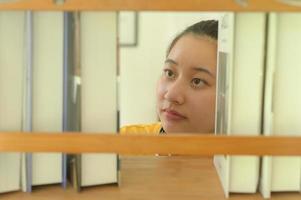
173, 115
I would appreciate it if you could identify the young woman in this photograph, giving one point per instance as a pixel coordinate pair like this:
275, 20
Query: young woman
186, 89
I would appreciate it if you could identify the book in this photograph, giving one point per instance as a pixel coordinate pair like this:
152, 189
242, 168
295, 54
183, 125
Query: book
282, 101
11, 92
47, 91
26, 169
98, 74
239, 95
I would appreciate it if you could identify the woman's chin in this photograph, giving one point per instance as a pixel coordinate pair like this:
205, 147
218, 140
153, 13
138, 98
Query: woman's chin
173, 128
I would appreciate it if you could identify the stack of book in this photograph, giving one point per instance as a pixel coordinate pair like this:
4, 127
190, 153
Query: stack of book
257, 95
57, 74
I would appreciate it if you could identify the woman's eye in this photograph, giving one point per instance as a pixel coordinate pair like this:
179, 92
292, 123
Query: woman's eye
168, 73
197, 83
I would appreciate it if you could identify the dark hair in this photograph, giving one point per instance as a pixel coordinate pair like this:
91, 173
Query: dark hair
207, 28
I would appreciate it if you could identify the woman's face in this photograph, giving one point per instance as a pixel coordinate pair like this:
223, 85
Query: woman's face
186, 89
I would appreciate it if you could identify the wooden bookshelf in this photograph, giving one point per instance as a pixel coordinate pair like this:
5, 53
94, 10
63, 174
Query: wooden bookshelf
153, 177
133, 144
158, 5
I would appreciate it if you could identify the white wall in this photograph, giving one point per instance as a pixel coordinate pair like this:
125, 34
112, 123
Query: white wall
140, 66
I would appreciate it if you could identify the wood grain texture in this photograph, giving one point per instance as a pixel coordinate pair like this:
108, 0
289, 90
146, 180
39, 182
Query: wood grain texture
149, 178
139, 144
162, 5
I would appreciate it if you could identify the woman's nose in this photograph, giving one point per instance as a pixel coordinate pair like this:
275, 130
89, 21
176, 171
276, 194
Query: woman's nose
175, 92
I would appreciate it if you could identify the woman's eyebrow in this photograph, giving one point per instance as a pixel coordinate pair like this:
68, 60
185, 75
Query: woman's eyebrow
168, 60
202, 69
199, 69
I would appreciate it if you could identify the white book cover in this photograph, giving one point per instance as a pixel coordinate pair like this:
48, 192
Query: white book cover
47, 91
282, 100
11, 92
98, 35
239, 99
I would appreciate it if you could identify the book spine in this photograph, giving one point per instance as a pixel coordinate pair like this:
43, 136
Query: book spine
27, 126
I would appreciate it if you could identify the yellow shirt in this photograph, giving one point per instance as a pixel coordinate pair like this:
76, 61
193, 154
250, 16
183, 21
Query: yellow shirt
152, 129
